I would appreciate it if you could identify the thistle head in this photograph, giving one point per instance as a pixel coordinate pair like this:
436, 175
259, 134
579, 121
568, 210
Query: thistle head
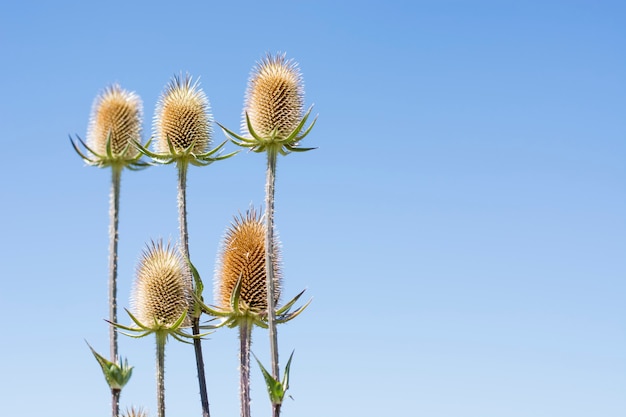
116, 116
274, 98
162, 289
242, 258
182, 121
273, 116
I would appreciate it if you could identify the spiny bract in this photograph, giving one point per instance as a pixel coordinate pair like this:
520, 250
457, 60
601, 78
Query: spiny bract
183, 117
118, 113
275, 97
243, 254
162, 291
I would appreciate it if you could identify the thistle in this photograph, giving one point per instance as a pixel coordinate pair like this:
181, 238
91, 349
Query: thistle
161, 300
114, 128
243, 267
183, 131
274, 119
274, 122
182, 126
242, 261
241, 289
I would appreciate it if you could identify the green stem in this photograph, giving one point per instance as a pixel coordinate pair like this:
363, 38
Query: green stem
160, 371
195, 322
269, 264
114, 207
245, 340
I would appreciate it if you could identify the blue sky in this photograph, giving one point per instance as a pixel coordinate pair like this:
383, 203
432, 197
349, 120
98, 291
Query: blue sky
462, 226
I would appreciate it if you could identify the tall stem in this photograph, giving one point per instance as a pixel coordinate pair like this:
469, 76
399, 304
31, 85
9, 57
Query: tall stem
160, 372
269, 265
245, 339
195, 322
114, 207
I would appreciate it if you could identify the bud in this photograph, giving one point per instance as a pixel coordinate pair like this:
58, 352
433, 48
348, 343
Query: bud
162, 291
116, 115
243, 255
183, 118
275, 97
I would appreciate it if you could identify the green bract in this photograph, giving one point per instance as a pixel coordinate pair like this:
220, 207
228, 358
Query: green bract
116, 374
110, 158
185, 155
238, 310
275, 388
273, 142
174, 330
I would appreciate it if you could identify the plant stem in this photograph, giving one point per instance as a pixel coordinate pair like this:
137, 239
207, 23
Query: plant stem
114, 207
269, 265
195, 321
160, 371
245, 340
182, 207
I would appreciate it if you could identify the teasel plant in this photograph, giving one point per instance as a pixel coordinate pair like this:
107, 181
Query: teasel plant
241, 290
114, 128
274, 123
161, 301
183, 134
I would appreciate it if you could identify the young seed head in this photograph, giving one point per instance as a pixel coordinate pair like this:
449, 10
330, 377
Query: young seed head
183, 117
162, 291
243, 254
275, 97
116, 114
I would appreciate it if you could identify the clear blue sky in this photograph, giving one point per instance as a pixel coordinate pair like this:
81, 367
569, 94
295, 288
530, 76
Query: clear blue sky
462, 226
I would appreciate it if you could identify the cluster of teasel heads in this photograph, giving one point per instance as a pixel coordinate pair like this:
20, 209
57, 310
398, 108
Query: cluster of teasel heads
167, 296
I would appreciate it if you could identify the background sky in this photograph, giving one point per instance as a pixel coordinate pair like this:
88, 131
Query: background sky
461, 226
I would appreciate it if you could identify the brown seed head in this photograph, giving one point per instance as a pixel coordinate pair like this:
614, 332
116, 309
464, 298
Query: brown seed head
183, 116
118, 113
243, 253
275, 97
162, 290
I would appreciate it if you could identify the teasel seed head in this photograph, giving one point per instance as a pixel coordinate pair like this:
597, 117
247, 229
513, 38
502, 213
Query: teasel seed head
116, 116
162, 290
135, 412
183, 118
274, 98
243, 255
273, 117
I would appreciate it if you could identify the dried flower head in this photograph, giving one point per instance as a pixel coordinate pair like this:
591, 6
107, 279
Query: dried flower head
273, 118
162, 291
182, 118
275, 97
243, 255
116, 116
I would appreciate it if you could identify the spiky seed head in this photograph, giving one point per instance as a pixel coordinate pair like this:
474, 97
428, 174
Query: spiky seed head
116, 113
275, 97
243, 253
135, 412
162, 290
183, 115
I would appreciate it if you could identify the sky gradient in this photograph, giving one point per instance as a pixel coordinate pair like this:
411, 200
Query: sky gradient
461, 226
